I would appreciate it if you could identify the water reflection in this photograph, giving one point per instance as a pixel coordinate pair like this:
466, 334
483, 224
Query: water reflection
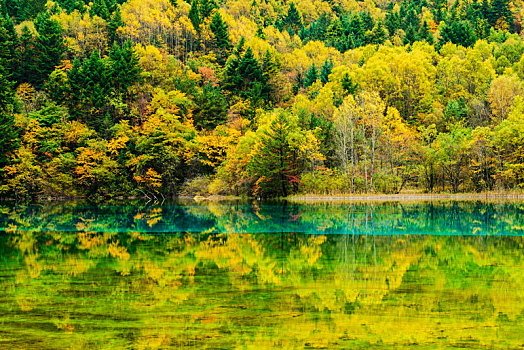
88, 289
446, 218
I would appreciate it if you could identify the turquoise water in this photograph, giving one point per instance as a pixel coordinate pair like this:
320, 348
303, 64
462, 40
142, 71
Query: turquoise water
250, 276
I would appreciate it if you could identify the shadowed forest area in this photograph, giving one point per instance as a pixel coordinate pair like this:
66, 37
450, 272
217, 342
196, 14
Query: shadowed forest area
158, 98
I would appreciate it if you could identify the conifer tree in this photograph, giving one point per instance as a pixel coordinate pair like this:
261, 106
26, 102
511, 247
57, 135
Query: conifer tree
125, 70
112, 26
207, 7
8, 133
211, 107
49, 47
219, 29
311, 76
194, 15
348, 86
293, 18
8, 40
411, 35
378, 35
99, 8
325, 71
25, 56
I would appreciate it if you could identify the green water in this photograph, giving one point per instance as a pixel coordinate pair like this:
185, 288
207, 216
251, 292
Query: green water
253, 276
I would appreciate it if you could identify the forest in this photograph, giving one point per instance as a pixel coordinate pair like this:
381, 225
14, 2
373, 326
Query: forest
268, 98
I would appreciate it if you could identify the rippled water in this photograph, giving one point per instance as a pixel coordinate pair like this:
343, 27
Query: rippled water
250, 275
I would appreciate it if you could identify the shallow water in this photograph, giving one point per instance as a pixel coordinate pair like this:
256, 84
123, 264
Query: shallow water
251, 275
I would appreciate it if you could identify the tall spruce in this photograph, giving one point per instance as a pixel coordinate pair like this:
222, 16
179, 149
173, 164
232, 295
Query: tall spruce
325, 71
125, 70
194, 15
8, 132
49, 47
311, 76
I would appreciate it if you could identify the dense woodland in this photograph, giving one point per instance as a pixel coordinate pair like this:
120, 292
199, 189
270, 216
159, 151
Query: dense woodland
158, 98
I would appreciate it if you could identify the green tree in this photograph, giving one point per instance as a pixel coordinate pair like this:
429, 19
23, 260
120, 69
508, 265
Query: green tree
293, 18
124, 68
219, 29
207, 7
311, 76
326, 71
8, 132
194, 15
99, 8
113, 24
211, 108
49, 47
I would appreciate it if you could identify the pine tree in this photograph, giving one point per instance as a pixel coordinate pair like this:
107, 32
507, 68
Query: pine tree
211, 108
25, 57
249, 69
311, 76
425, 33
9, 41
90, 91
8, 134
219, 29
194, 15
270, 66
325, 71
366, 20
49, 47
293, 18
207, 7
348, 86
112, 26
99, 8
125, 70
379, 35
501, 16
411, 35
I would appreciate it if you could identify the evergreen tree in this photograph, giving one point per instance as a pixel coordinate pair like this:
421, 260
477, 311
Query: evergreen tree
249, 69
8, 132
366, 20
293, 18
99, 8
90, 90
49, 47
25, 57
211, 108
411, 35
112, 26
425, 33
500, 15
9, 41
207, 7
379, 35
270, 66
194, 15
219, 29
348, 86
325, 71
356, 37
460, 33
125, 70
311, 76
393, 22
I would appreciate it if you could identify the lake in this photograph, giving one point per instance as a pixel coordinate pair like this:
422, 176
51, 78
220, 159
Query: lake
254, 275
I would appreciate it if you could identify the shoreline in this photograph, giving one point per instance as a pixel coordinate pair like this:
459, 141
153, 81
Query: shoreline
407, 197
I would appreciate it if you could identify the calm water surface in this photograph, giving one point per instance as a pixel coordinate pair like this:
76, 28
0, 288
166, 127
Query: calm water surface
251, 276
